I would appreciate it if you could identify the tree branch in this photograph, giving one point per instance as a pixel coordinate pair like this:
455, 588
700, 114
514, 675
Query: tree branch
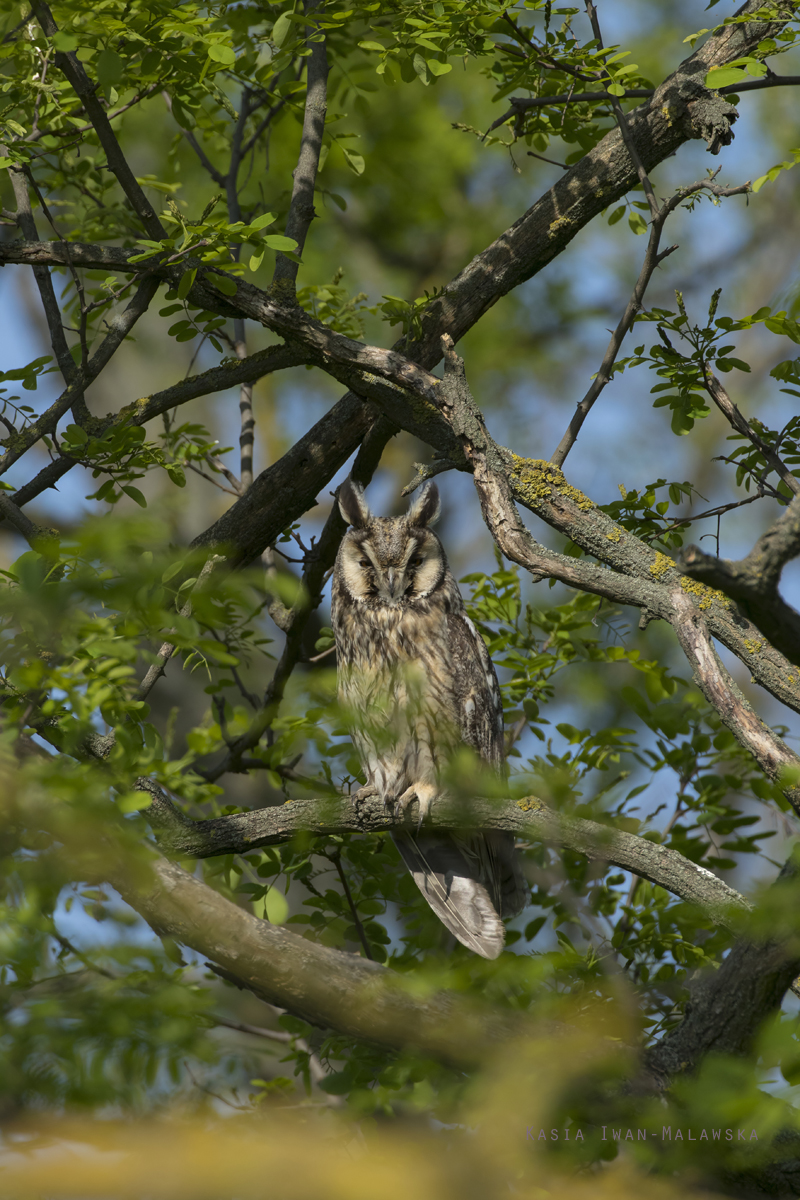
730, 1004
622, 122
652, 259
301, 208
83, 87
324, 986
530, 819
52, 312
726, 406
680, 602
521, 104
753, 581
120, 327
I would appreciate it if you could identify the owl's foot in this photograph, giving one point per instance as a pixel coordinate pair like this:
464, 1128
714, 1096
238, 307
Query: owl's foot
367, 792
423, 793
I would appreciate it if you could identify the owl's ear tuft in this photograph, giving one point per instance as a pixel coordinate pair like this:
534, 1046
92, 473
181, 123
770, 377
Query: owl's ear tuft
353, 505
427, 506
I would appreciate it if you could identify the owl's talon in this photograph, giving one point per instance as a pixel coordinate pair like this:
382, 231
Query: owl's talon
367, 792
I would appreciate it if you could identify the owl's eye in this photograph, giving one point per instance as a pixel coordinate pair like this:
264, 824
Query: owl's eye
416, 560
364, 562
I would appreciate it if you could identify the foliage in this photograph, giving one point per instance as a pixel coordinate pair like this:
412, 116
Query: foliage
602, 724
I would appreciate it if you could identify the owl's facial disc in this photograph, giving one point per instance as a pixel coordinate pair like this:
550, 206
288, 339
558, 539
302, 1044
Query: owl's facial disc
411, 572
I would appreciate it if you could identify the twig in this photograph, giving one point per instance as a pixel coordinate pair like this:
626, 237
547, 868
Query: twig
137, 99
293, 621
301, 207
622, 121
262, 125
79, 410
336, 859
215, 1095
652, 259
325, 654
520, 103
712, 512
74, 71
315, 1068
210, 479
167, 650
27, 225
726, 406
21, 523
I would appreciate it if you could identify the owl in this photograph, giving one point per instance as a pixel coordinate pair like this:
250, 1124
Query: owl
417, 682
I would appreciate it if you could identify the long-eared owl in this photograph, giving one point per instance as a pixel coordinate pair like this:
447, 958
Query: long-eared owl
417, 682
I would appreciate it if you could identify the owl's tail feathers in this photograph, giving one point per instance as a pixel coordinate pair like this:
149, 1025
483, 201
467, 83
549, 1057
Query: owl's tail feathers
452, 874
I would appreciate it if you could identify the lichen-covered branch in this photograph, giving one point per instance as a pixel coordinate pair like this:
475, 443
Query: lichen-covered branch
753, 581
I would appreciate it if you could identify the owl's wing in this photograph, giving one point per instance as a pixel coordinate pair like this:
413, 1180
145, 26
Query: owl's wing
470, 880
455, 883
479, 705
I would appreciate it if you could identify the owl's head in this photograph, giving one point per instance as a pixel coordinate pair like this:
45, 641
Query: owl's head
390, 560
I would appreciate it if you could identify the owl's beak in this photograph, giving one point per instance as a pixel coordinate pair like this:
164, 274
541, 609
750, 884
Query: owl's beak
394, 579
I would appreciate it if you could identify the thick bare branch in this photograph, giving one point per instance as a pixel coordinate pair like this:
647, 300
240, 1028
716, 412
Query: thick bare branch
17, 518
686, 605
247, 422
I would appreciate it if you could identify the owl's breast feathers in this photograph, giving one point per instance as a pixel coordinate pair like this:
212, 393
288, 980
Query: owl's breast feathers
430, 648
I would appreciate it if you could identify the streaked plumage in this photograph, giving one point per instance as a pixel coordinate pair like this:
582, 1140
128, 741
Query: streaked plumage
417, 679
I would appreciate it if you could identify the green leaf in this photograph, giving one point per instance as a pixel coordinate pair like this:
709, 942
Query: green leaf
439, 68
277, 241
724, 77
134, 494
221, 52
110, 67
75, 435
354, 161
65, 41
224, 284
265, 219
130, 802
185, 285
281, 28
637, 222
276, 907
